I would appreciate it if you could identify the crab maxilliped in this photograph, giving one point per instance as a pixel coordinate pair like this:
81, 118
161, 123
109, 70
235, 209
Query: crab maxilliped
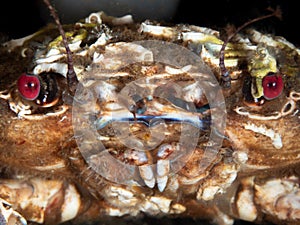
149, 130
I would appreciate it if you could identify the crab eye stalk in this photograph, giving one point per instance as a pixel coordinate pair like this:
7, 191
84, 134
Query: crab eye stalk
29, 86
225, 76
272, 86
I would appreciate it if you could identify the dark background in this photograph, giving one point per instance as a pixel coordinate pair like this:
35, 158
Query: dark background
216, 14
20, 18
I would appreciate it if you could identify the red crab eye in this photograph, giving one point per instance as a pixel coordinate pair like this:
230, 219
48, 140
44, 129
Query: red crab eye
272, 85
29, 86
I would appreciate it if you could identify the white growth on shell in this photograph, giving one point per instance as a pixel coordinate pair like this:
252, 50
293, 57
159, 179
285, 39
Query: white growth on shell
174, 71
283, 200
101, 41
240, 157
245, 201
162, 203
121, 54
275, 137
157, 30
52, 55
12, 44
209, 193
146, 173
199, 37
71, 205
163, 170
95, 17
56, 166
193, 92
61, 68
270, 41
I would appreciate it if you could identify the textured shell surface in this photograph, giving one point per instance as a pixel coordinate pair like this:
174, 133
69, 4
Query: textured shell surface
150, 131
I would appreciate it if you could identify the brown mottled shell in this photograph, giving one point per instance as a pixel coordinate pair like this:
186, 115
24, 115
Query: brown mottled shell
69, 164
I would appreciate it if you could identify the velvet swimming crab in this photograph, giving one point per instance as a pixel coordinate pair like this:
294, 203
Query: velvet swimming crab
149, 128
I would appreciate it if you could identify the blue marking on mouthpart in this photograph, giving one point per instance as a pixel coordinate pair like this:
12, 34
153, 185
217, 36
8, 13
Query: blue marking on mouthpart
152, 120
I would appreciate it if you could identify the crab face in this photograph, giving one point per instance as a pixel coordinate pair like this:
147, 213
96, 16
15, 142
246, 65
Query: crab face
149, 129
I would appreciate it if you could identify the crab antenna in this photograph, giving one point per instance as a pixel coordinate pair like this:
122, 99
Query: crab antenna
71, 75
225, 77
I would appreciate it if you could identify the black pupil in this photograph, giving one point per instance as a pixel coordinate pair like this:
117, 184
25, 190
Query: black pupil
30, 85
272, 85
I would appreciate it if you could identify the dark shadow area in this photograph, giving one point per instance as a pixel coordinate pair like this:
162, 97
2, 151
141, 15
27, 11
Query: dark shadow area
18, 19
156, 221
21, 18
217, 14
